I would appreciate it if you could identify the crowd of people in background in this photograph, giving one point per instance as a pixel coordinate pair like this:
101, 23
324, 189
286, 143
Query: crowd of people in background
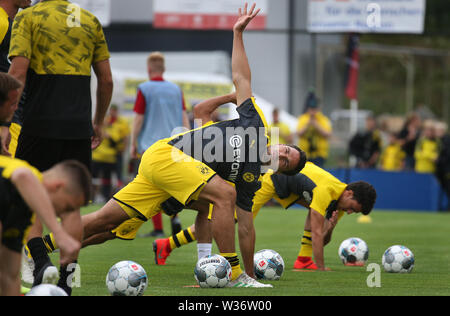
421, 146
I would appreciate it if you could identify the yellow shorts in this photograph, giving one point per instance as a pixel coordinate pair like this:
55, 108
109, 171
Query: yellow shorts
164, 172
128, 230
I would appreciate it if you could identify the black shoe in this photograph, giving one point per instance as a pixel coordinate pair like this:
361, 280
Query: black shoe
48, 274
66, 278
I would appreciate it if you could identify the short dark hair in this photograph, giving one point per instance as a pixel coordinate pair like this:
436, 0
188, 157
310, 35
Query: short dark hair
81, 177
7, 84
365, 194
301, 163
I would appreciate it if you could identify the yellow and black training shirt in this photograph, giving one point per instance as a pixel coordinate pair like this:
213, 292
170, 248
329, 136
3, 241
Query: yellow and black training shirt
319, 189
234, 149
5, 37
61, 54
15, 215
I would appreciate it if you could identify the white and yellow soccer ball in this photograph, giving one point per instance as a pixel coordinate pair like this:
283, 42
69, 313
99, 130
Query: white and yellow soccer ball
126, 278
398, 259
213, 271
268, 264
46, 290
354, 251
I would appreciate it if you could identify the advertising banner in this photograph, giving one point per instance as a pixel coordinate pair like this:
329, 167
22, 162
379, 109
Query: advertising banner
365, 16
204, 14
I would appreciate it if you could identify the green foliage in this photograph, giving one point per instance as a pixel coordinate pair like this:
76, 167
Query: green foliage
382, 82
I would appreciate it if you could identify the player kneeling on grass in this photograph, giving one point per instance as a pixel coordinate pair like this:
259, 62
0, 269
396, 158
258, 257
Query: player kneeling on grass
326, 198
56, 192
233, 151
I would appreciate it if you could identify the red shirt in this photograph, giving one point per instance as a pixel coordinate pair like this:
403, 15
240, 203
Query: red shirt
140, 104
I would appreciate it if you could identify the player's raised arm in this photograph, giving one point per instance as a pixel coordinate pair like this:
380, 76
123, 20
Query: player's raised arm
240, 67
204, 110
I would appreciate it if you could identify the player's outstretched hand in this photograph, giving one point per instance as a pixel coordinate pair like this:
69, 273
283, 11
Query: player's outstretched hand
69, 247
245, 17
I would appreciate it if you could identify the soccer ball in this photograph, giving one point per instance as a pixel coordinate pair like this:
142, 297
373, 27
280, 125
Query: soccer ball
268, 264
354, 251
212, 271
46, 290
398, 259
126, 278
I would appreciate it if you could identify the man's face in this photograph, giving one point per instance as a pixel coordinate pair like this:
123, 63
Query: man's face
10, 106
22, 4
275, 116
371, 124
285, 157
348, 204
64, 202
313, 111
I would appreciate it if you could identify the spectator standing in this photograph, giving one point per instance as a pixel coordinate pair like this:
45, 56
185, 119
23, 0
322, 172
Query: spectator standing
427, 150
55, 65
159, 110
366, 146
408, 137
392, 157
284, 132
314, 129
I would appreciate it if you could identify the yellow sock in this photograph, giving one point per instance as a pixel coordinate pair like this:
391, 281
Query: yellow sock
306, 249
49, 242
233, 259
182, 238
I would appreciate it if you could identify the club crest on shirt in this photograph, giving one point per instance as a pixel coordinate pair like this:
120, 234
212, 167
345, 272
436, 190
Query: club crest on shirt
248, 177
203, 170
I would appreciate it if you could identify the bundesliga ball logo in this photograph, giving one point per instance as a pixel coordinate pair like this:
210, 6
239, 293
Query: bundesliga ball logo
212, 271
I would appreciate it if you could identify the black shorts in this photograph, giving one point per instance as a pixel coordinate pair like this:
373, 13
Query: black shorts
15, 221
102, 170
44, 153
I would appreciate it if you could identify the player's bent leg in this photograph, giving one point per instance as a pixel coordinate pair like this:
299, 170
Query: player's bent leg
202, 227
72, 224
36, 230
104, 220
203, 230
223, 197
10, 272
304, 259
162, 248
39, 257
246, 233
98, 239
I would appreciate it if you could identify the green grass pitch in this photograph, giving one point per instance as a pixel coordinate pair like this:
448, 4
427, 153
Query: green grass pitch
426, 234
